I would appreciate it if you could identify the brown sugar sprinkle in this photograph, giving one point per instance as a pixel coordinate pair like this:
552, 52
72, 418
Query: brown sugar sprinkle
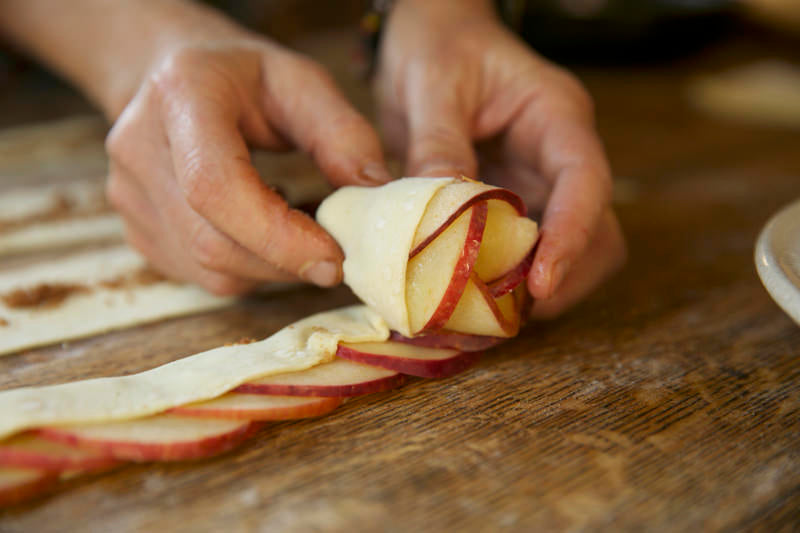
53, 294
141, 277
43, 295
243, 340
63, 208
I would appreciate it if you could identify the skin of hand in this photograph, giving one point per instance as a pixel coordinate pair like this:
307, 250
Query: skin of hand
181, 174
460, 94
189, 93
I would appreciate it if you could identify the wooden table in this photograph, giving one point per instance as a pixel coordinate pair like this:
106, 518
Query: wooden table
670, 400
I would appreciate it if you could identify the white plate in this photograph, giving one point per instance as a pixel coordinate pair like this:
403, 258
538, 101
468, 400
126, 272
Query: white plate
778, 259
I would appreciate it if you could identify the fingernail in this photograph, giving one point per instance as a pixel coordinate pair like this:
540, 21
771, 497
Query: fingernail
323, 273
375, 173
557, 275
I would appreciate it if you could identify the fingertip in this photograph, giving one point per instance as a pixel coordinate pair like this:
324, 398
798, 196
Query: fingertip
375, 173
325, 273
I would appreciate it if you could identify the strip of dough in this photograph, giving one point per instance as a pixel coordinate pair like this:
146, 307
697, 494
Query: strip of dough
203, 376
100, 308
376, 228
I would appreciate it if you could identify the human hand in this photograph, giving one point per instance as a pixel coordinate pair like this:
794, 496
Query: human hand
451, 78
181, 175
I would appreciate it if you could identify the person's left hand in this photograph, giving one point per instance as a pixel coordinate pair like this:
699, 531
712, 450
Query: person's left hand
451, 78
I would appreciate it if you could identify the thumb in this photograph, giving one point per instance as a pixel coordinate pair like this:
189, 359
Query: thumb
439, 137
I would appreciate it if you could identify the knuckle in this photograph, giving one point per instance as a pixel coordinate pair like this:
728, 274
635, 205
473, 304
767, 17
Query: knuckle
173, 69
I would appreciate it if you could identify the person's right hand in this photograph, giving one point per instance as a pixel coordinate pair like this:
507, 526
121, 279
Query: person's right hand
181, 175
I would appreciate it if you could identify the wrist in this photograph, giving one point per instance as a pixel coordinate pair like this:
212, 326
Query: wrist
150, 37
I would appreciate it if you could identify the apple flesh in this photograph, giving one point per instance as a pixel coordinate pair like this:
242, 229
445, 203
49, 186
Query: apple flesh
507, 242
30, 451
339, 378
435, 277
450, 202
162, 437
238, 406
409, 359
19, 484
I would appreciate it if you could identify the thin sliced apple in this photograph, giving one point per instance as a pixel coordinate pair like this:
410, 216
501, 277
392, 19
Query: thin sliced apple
31, 451
19, 484
163, 437
409, 359
477, 314
512, 279
507, 241
463, 342
437, 275
339, 378
450, 202
238, 406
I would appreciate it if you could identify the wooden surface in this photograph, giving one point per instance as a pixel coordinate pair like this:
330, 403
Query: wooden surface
670, 400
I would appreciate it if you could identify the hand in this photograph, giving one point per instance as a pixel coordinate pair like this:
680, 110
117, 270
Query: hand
451, 78
181, 174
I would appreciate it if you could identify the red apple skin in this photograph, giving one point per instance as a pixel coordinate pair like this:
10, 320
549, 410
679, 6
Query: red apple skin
142, 452
18, 493
20, 457
449, 339
511, 279
463, 269
423, 368
325, 391
318, 408
494, 194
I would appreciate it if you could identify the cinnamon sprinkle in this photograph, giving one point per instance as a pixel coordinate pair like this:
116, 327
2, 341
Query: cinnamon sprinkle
3, 322
63, 209
48, 295
43, 295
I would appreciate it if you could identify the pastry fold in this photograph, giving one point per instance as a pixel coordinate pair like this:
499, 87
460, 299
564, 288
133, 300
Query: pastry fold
435, 254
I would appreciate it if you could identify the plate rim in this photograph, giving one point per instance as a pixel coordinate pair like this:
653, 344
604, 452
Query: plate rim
775, 280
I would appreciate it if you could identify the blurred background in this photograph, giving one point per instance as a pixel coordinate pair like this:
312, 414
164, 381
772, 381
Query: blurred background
692, 35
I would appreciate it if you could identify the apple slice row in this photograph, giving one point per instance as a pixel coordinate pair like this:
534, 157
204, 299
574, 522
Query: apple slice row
32, 462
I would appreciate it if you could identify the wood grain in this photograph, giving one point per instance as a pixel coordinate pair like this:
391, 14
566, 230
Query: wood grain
670, 400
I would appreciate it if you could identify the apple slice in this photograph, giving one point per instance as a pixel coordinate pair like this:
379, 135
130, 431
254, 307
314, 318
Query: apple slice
513, 278
31, 451
239, 406
507, 241
409, 359
463, 342
450, 202
163, 437
480, 314
436, 276
339, 378
19, 484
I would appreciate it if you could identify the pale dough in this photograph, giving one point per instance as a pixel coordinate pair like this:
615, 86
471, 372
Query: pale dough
99, 310
203, 376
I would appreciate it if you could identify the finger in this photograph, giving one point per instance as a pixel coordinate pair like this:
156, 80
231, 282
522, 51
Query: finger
557, 138
304, 104
212, 166
219, 284
440, 142
602, 258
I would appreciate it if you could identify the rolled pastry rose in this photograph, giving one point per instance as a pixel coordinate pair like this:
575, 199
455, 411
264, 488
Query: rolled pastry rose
435, 255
